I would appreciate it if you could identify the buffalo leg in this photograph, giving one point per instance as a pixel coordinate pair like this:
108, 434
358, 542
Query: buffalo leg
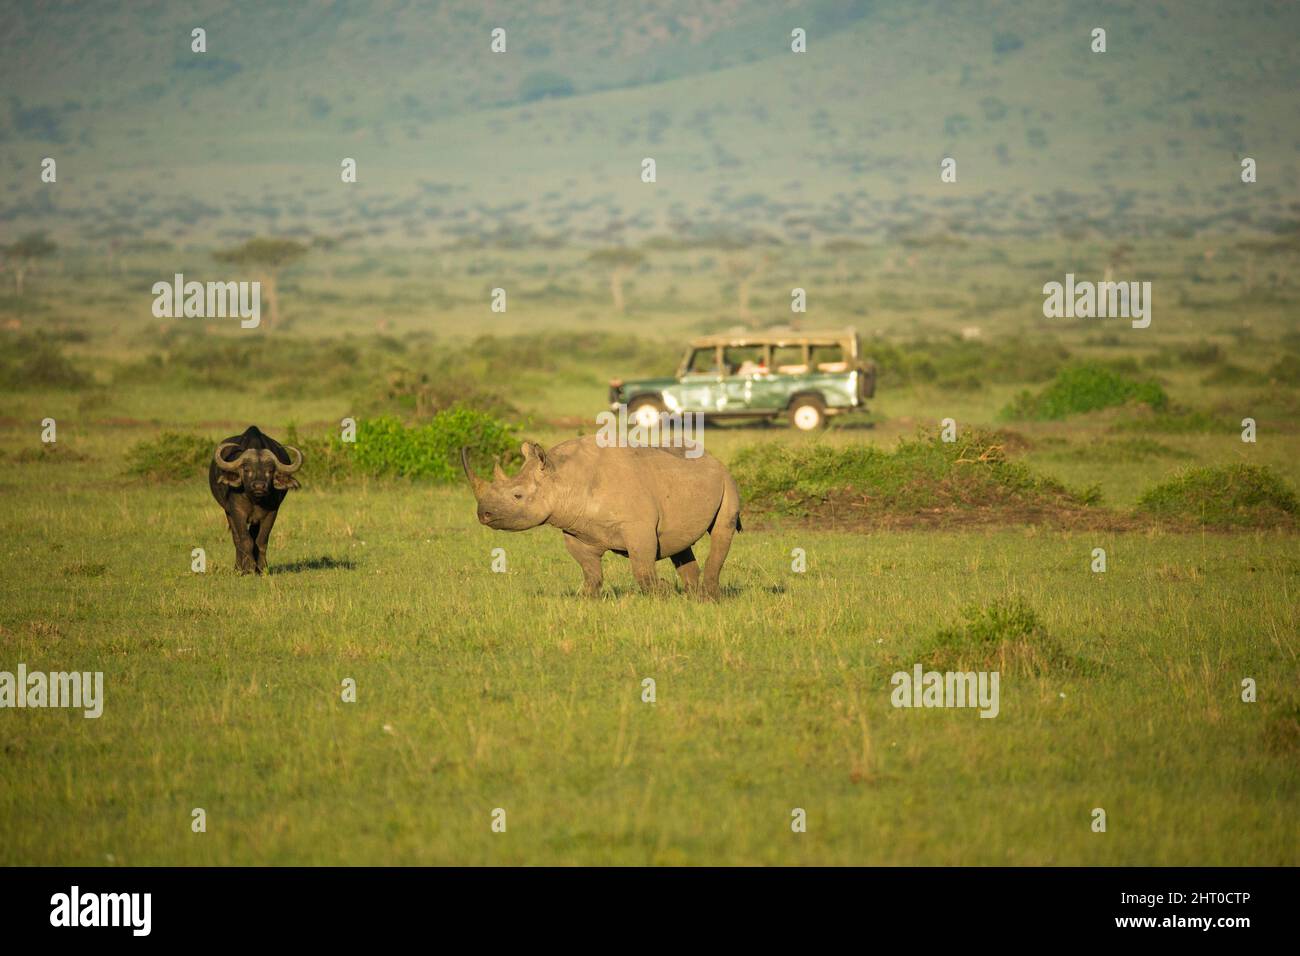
263, 539
244, 560
588, 558
687, 568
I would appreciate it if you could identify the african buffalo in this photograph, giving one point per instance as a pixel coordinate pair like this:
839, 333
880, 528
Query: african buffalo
249, 476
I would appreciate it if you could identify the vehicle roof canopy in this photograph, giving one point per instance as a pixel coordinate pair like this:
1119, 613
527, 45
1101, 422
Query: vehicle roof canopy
847, 338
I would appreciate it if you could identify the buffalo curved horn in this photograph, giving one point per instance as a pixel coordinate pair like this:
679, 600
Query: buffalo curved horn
475, 481
284, 469
228, 465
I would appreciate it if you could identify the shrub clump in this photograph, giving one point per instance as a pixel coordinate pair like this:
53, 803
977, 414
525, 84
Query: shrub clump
1226, 496
430, 451
384, 447
29, 361
1085, 388
1005, 636
924, 475
172, 456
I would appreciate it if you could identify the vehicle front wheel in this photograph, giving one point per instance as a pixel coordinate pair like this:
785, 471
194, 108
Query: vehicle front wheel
808, 413
645, 411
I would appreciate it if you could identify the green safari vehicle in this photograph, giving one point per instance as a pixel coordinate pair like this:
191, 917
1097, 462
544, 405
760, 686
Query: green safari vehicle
807, 376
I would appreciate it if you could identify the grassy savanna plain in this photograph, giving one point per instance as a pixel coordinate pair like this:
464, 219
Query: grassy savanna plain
479, 690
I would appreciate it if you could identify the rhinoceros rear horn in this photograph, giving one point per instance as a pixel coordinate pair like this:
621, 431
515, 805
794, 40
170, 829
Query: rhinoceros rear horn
475, 481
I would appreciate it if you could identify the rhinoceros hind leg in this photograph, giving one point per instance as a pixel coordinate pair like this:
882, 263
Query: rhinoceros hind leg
724, 529
687, 568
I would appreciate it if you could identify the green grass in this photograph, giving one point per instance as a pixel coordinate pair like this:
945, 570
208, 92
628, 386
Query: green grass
508, 690
479, 690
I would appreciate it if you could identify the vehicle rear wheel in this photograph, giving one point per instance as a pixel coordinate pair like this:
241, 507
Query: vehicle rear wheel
645, 411
808, 413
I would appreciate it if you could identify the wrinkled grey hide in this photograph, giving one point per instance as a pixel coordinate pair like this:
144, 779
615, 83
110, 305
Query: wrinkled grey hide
644, 503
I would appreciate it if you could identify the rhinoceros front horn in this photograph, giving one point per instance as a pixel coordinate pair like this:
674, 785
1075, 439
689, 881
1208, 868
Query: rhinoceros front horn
475, 481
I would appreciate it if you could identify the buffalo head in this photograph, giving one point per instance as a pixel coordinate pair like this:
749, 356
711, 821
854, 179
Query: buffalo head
257, 471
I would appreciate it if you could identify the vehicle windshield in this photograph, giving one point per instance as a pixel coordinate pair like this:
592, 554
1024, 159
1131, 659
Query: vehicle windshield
702, 362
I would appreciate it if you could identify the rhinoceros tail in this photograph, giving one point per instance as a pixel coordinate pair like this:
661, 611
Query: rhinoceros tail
739, 526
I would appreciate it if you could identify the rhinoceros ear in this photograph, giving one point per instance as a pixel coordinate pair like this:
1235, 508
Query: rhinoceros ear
534, 456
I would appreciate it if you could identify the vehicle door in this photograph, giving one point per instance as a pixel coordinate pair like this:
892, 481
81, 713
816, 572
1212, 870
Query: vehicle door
699, 386
748, 384
789, 371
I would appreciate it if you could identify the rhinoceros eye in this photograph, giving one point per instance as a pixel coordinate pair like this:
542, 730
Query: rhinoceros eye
519, 496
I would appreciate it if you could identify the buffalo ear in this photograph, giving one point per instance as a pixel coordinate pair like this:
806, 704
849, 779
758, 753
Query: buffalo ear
285, 482
231, 478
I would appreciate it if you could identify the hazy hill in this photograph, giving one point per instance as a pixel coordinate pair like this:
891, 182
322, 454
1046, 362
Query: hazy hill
545, 141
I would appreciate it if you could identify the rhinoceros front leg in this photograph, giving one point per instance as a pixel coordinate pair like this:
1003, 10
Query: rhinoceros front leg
588, 557
687, 569
643, 552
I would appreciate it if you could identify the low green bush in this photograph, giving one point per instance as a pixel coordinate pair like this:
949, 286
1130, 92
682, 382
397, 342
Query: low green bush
1225, 496
32, 361
921, 473
171, 456
1005, 636
1082, 388
384, 447
431, 451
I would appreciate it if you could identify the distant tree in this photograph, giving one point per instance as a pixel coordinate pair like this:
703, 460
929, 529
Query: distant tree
266, 258
620, 261
744, 267
21, 256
